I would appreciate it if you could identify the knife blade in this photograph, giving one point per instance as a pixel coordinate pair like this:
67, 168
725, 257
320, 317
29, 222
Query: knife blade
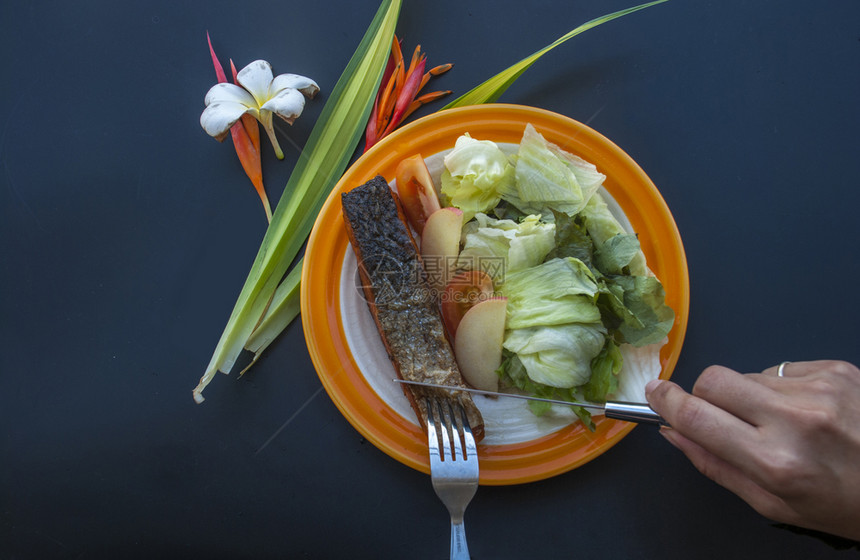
640, 413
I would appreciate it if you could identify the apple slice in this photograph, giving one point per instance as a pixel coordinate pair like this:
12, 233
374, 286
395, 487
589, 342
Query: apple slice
462, 292
440, 245
416, 191
478, 344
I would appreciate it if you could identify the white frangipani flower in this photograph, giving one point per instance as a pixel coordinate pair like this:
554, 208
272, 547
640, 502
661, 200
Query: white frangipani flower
261, 95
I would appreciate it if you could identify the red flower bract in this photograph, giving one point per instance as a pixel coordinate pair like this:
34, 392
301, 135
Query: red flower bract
398, 95
246, 139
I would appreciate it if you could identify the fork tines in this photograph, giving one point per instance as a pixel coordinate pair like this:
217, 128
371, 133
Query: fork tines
453, 464
448, 432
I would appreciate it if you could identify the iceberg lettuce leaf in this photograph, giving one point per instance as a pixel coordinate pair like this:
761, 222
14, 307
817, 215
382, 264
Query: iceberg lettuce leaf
512, 373
586, 173
475, 172
548, 177
556, 292
521, 244
559, 355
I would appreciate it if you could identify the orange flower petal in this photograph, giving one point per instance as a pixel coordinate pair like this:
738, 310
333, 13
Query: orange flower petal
397, 97
387, 102
410, 88
441, 69
432, 96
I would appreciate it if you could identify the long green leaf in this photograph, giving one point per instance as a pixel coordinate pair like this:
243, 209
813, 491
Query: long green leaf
329, 148
490, 90
284, 308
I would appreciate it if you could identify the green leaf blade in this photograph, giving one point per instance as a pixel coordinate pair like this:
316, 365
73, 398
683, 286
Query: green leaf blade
324, 159
493, 88
284, 308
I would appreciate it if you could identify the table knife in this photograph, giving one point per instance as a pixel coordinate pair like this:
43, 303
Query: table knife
640, 413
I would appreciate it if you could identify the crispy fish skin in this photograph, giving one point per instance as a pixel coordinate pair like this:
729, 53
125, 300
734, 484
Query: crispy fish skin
400, 299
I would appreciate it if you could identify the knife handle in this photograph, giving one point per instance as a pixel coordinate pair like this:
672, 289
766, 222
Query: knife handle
633, 412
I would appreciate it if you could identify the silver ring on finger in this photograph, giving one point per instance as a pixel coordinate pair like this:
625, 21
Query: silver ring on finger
780, 371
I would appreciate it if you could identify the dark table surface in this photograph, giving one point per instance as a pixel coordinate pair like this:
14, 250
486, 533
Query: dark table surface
126, 234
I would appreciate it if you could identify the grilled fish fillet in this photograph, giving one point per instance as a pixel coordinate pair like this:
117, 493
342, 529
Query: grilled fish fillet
400, 299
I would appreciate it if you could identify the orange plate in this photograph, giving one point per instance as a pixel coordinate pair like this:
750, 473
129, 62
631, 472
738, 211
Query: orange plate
402, 439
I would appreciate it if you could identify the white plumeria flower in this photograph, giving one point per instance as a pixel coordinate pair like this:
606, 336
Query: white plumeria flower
261, 95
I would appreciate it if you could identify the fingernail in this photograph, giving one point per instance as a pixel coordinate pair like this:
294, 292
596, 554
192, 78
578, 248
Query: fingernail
651, 385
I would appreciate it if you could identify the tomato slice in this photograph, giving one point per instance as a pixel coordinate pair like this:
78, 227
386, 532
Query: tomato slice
416, 192
461, 294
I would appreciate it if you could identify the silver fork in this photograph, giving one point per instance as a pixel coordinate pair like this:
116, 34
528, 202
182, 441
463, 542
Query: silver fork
453, 465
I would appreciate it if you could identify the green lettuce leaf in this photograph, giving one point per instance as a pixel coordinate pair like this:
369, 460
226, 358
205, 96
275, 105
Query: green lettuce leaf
644, 299
556, 292
475, 171
617, 254
559, 355
572, 240
604, 373
548, 177
602, 225
512, 373
521, 245
610, 301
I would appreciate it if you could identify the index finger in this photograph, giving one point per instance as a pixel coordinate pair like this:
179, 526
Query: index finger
709, 426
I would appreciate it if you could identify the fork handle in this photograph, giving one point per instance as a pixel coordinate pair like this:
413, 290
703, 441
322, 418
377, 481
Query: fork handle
459, 548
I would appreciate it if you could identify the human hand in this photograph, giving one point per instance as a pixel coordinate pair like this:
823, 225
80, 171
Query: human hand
788, 446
